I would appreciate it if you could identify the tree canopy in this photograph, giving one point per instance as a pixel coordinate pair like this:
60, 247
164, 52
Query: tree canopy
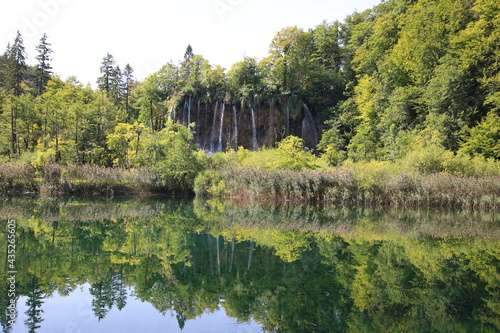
374, 86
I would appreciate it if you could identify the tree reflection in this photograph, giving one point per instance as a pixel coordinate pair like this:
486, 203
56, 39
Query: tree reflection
340, 278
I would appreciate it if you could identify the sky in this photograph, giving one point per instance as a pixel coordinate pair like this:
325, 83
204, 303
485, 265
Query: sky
149, 33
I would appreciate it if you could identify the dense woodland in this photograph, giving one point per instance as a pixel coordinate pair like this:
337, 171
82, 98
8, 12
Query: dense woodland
401, 77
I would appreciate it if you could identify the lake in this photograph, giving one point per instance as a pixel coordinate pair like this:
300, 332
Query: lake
172, 265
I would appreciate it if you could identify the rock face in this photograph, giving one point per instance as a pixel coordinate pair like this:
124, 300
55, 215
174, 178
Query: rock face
220, 126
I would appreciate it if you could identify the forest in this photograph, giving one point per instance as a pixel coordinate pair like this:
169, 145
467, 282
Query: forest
406, 85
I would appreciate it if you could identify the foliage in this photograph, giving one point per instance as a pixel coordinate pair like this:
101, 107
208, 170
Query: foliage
209, 183
413, 83
484, 139
291, 154
331, 145
170, 152
432, 158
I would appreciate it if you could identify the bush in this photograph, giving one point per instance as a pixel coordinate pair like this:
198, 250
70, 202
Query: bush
435, 159
172, 153
209, 183
290, 154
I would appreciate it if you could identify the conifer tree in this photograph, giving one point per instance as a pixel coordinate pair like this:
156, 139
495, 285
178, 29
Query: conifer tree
116, 85
16, 65
107, 72
43, 67
128, 80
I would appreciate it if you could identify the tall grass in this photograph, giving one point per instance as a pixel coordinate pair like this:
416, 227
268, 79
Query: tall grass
100, 180
86, 179
349, 187
17, 178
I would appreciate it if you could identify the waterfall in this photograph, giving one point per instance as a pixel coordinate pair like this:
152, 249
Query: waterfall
221, 126
189, 111
254, 132
183, 120
197, 124
309, 134
212, 134
235, 128
198, 117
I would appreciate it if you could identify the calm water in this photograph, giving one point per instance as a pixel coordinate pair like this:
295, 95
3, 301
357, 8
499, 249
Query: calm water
163, 265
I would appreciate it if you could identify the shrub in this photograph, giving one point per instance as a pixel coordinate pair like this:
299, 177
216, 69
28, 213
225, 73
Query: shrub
435, 159
209, 183
291, 154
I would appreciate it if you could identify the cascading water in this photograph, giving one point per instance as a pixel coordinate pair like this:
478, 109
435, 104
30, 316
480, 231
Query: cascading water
189, 111
213, 132
235, 128
221, 126
254, 132
183, 120
197, 124
271, 115
309, 133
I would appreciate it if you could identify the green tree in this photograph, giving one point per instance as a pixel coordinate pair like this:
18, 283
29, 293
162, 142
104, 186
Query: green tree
44, 69
291, 154
108, 71
332, 144
152, 95
172, 152
128, 85
16, 68
484, 139
121, 142
246, 80
285, 59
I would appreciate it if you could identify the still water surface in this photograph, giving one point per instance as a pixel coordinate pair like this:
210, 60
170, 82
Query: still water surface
164, 265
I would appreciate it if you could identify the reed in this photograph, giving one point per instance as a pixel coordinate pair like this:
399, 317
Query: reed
17, 178
351, 187
85, 180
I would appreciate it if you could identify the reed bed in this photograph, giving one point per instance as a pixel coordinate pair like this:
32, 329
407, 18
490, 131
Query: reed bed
17, 178
83, 180
349, 188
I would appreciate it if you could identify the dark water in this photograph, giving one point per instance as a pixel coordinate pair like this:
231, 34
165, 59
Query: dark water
163, 265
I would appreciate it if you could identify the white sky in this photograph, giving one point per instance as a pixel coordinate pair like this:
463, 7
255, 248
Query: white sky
149, 33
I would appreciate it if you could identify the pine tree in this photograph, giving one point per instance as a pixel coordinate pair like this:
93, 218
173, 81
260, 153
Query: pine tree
107, 72
116, 85
16, 65
128, 80
14, 72
188, 55
4, 61
43, 68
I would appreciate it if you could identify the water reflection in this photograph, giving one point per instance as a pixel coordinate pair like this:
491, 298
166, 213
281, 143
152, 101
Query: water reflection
284, 268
